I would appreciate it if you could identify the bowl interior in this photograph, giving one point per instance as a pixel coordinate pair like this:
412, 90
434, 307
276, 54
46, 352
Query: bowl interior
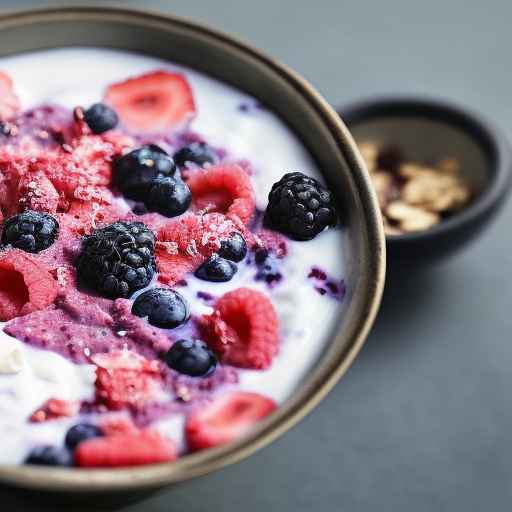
327, 140
427, 140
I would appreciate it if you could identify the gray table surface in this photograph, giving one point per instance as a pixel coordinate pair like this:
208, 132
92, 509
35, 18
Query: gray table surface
423, 419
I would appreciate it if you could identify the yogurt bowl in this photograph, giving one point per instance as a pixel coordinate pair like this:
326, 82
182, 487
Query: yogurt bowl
251, 108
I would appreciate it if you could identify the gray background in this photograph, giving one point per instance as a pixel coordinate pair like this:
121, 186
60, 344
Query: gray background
423, 419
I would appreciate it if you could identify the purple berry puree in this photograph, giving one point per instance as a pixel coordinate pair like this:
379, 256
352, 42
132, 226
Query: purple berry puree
45, 126
325, 285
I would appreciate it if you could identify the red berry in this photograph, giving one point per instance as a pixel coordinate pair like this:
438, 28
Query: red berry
118, 426
227, 418
243, 329
185, 243
55, 408
131, 449
224, 189
36, 192
26, 285
9, 102
153, 102
125, 379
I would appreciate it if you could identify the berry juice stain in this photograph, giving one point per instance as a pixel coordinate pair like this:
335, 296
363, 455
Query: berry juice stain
325, 285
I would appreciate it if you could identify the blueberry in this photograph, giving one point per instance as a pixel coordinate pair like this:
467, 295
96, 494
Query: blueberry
81, 432
168, 196
48, 455
191, 357
268, 269
100, 118
198, 153
136, 171
163, 307
234, 248
216, 269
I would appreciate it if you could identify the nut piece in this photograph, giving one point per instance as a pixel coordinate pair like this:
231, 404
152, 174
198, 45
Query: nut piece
413, 196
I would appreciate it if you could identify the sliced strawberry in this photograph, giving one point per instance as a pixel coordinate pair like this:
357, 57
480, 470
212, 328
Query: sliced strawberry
132, 449
224, 189
124, 379
243, 329
55, 408
9, 102
26, 285
226, 419
185, 243
153, 102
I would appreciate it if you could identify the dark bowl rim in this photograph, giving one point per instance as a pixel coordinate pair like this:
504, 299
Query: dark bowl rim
490, 137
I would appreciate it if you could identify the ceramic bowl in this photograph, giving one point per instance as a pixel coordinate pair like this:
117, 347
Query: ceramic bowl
325, 137
427, 130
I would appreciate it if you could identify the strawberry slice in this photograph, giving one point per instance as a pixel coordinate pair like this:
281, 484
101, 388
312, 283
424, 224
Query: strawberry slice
9, 102
227, 418
132, 449
26, 285
153, 102
55, 408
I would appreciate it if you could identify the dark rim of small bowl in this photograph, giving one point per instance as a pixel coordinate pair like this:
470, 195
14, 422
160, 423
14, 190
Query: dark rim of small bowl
493, 142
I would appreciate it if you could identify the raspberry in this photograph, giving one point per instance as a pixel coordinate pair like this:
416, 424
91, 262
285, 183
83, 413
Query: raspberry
124, 379
133, 449
26, 285
224, 189
227, 418
272, 241
243, 329
185, 243
36, 192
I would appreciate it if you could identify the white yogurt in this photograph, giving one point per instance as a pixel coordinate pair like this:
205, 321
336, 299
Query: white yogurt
78, 76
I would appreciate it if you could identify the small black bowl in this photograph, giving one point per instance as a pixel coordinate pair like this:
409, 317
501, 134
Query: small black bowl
427, 130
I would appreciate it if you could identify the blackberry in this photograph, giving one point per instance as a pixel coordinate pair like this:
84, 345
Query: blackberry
299, 206
100, 118
81, 432
198, 153
163, 308
118, 259
191, 357
233, 248
216, 270
30, 231
168, 196
48, 455
136, 171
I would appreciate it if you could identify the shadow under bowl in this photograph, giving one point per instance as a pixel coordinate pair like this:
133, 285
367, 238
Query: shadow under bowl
428, 130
